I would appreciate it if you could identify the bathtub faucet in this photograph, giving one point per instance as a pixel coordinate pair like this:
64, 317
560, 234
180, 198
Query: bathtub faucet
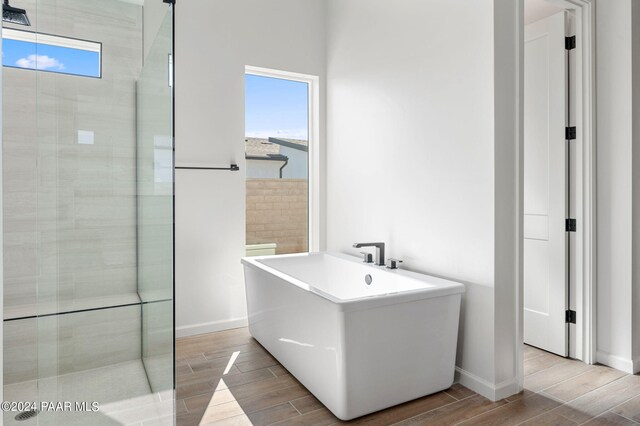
379, 251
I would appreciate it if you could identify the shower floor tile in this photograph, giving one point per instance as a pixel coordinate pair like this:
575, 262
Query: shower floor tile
122, 390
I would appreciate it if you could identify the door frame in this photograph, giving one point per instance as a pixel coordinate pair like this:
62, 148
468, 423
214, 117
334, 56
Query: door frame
582, 335
584, 163
314, 189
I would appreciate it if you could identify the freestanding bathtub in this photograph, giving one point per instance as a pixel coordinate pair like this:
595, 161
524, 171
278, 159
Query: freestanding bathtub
357, 347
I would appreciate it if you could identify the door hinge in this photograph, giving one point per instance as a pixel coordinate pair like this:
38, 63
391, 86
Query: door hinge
570, 133
570, 225
570, 42
570, 316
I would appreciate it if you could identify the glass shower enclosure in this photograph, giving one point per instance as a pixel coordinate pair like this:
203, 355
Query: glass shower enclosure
87, 210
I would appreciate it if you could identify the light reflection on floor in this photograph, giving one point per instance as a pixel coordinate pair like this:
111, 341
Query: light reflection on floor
223, 404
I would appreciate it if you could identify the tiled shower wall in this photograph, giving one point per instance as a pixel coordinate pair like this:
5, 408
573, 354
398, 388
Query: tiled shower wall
70, 208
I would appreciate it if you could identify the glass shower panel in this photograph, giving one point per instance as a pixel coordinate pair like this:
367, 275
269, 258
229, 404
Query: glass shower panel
155, 207
88, 310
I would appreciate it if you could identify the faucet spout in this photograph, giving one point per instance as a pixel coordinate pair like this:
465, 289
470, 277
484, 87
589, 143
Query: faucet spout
379, 251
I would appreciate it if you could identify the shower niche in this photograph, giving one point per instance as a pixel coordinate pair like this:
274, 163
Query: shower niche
87, 191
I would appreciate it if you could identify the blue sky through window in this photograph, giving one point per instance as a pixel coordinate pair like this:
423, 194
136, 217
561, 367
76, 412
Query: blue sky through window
276, 108
45, 57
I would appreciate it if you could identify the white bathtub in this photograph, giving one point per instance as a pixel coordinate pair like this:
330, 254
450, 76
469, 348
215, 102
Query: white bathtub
358, 348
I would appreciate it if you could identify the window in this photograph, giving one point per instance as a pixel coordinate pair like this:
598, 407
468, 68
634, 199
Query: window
43, 52
280, 131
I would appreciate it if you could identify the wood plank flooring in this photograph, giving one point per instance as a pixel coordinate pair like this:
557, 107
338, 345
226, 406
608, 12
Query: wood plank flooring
227, 378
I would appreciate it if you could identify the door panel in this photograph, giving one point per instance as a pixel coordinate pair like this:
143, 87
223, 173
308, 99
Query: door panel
536, 227
545, 185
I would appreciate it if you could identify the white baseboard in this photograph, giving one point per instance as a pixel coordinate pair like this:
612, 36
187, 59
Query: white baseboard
618, 362
210, 327
485, 388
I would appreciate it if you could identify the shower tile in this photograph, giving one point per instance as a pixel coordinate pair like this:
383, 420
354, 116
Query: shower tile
142, 412
74, 188
20, 350
19, 168
19, 211
120, 279
121, 389
18, 291
25, 392
62, 344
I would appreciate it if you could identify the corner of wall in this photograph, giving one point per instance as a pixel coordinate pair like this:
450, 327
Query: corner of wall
210, 327
494, 392
508, 202
618, 168
626, 365
635, 82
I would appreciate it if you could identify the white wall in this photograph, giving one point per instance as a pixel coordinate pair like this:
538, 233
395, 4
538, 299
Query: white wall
214, 42
635, 320
263, 169
509, 193
297, 167
421, 154
615, 213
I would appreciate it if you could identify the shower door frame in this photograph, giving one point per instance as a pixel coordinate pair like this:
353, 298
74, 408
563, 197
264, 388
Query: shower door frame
172, 82
1, 226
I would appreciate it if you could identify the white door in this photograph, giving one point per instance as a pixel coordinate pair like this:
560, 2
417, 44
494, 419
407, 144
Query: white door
545, 185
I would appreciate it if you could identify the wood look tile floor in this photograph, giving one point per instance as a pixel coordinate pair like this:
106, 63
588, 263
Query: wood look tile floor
227, 378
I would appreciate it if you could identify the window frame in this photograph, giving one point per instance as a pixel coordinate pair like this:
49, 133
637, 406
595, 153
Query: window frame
313, 110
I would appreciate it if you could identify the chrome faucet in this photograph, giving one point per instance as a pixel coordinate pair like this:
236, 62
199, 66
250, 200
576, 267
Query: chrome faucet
379, 251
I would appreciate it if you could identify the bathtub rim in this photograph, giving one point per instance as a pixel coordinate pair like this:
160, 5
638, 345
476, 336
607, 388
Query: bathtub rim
439, 287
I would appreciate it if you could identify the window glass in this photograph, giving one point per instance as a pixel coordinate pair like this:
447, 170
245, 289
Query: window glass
277, 165
43, 52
